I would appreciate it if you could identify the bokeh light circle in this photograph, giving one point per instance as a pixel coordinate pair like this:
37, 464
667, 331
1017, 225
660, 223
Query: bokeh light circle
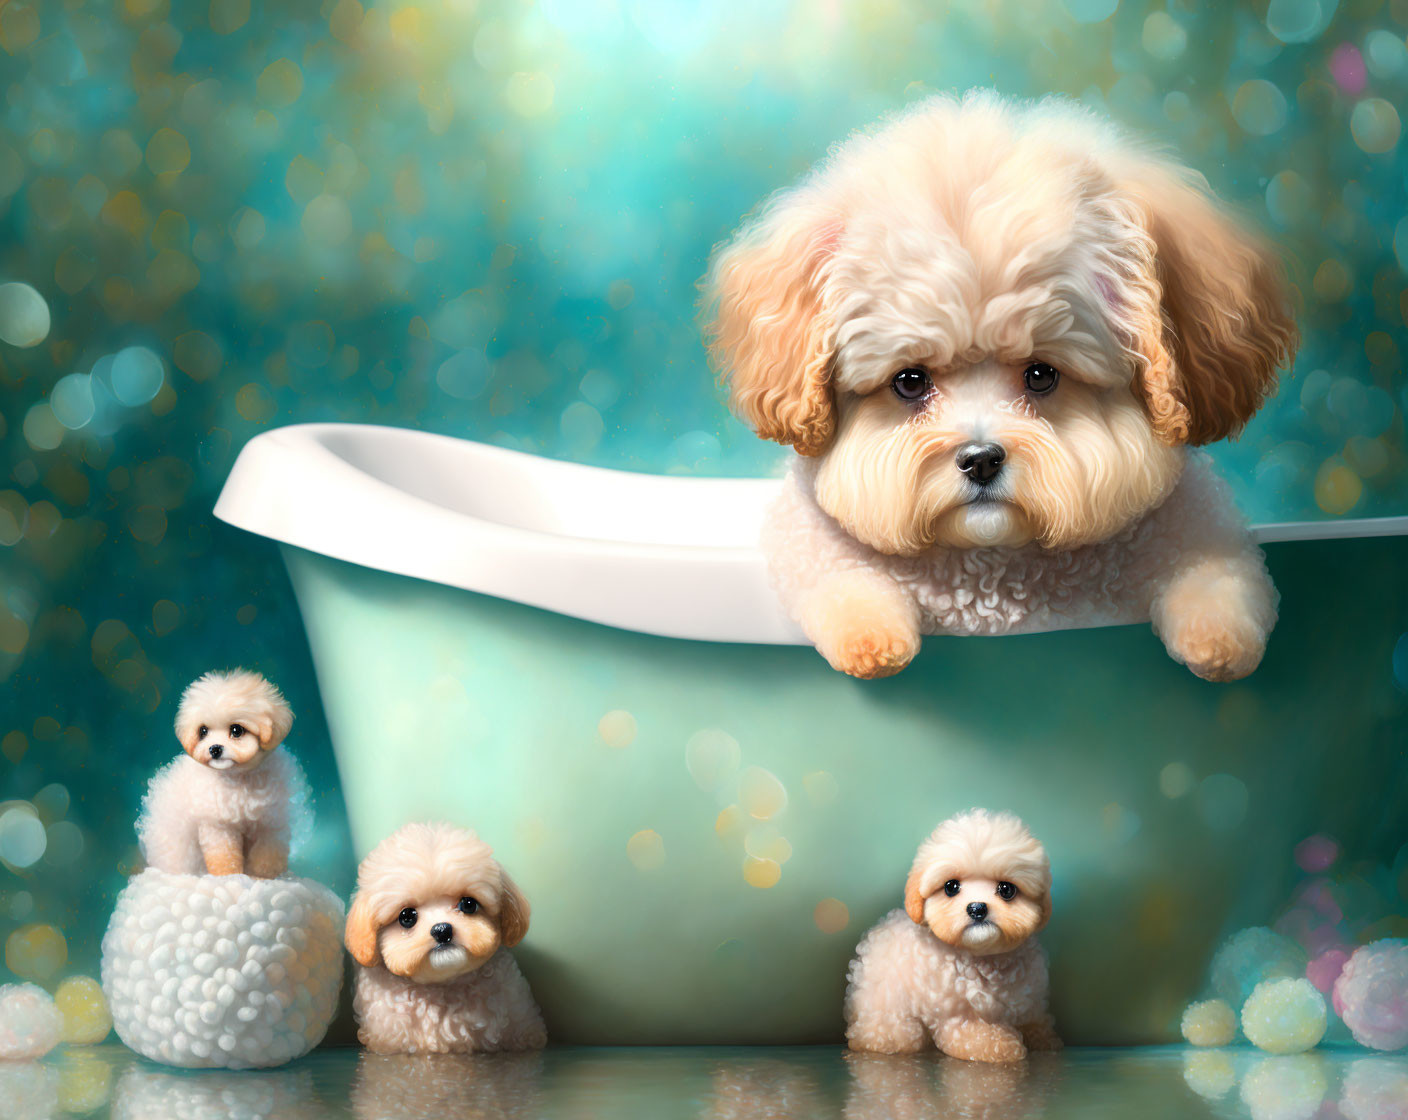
136, 375
24, 316
1375, 125
22, 837
71, 400
1259, 107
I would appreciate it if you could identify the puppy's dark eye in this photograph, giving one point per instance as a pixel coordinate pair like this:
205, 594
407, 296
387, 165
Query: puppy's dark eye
236, 731
1040, 377
951, 887
911, 384
468, 906
408, 917
204, 731
1006, 891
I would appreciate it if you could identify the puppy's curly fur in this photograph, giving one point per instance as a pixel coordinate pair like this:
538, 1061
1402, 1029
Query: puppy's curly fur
964, 245
232, 804
959, 967
429, 927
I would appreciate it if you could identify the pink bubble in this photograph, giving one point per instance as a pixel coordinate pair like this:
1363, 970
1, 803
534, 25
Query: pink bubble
1347, 66
1325, 969
1316, 853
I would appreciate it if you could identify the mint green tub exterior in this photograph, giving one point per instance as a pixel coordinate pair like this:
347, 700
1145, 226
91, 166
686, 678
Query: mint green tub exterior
685, 891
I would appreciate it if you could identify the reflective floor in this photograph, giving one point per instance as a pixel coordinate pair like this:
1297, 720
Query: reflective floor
741, 1083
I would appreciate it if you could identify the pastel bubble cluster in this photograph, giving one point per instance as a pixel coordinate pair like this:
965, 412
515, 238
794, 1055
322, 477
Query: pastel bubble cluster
1371, 994
223, 971
30, 1024
1251, 956
1284, 1016
1210, 1022
1285, 1088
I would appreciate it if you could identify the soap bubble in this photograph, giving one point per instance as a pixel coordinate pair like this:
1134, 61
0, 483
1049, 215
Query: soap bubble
22, 837
136, 375
24, 316
1284, 1016
1371, 994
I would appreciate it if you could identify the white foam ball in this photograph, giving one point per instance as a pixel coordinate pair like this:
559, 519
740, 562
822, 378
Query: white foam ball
1209, 1023
174, 1000
30, 1023
1284, 1016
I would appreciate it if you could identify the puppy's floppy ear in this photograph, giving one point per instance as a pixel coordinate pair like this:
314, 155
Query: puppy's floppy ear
513, 910
1223, 322
770, 337
359, 934
914, 897
274, 725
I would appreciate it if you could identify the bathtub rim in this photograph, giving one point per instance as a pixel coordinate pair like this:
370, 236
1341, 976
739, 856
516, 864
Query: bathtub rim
649, 587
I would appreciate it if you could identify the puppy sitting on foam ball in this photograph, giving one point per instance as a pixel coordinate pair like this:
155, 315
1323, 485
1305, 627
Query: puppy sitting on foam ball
430, 926
960, 967
992, 332
228, 806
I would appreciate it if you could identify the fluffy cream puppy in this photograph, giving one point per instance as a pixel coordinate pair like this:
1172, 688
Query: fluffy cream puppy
430, 925
960, 967
992, 332
229, 804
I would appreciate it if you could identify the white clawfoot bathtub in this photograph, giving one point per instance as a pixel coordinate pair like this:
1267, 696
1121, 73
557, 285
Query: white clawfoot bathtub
589, 667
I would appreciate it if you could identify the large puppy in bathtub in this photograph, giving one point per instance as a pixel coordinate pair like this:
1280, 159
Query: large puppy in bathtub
992, 332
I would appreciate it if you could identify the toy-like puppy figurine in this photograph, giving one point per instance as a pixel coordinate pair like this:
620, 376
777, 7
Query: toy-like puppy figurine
960, 967
225, 807
430, 925
992, 332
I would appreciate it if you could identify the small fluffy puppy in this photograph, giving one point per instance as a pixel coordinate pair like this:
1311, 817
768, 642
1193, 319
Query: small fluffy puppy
959, 967
430, 925
992, 332
227, 806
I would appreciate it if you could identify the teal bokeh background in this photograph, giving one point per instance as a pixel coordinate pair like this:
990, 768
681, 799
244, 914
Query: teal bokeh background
488, 219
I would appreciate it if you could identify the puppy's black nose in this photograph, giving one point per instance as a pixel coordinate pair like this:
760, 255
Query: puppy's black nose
981, 461
442, 932
977, 911
216, 751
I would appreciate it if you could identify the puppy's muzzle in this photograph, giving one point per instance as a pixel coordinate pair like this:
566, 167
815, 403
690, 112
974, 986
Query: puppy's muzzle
981, 462
442, 932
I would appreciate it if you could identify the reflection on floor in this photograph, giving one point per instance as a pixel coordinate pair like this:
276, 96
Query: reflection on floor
698, 1083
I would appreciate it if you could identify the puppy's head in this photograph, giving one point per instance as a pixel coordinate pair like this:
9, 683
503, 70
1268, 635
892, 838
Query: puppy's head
981, 882
433, 904
995, 324
229, 720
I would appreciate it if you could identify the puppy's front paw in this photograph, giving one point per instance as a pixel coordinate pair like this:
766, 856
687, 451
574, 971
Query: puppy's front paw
976, 1041
1217, 645
862, 626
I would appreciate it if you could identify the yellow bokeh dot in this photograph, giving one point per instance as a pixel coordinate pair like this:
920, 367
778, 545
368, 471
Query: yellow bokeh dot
1337, 488
280, 84
617, 728
36, 952
84, 1009
255, 403
228, 16
168, 152
831, 915
766, 843
761, 873
729, 822
760, 793
646, 849
1332, 281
